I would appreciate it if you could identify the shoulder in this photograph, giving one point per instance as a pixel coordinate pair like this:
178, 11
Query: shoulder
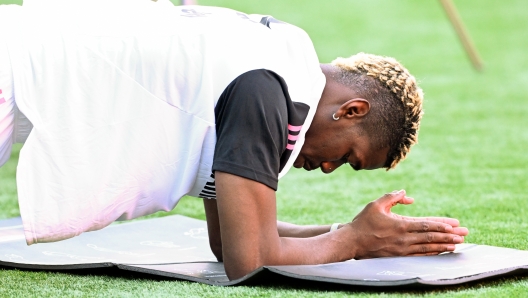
256, 91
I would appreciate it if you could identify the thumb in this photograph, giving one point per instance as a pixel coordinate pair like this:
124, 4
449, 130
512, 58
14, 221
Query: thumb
392, 199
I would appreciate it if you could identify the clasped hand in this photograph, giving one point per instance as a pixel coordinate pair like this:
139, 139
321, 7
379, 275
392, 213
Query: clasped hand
380, 233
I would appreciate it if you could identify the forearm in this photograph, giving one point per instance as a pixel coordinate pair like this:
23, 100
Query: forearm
273, 251
286, 229
321, 249
213, 228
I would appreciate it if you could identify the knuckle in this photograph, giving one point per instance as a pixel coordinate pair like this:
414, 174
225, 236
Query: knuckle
388, 195
401, 226
423, 248
400, 241
371, 204
425, 226
429, 237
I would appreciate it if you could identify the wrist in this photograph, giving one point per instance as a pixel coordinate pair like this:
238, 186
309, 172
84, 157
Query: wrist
334, 226
348, 240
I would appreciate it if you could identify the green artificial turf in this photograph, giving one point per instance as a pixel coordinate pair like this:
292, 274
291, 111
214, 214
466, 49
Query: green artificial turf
471, 162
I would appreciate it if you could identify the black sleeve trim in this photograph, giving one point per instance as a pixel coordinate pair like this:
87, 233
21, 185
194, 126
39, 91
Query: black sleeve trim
247, 172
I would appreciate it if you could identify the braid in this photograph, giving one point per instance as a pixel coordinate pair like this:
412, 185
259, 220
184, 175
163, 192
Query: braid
392, 75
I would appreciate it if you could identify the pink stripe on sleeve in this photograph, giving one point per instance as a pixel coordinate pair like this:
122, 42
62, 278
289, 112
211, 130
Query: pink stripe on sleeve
0, 91
2, 100
293, 138
290, 146
294, 128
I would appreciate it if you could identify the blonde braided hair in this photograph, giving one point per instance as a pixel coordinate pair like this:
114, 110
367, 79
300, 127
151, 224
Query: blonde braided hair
396, 78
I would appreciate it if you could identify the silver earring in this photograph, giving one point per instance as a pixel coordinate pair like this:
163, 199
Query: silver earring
334, 117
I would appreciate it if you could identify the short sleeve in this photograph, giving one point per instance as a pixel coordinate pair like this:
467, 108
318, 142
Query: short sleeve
251, 127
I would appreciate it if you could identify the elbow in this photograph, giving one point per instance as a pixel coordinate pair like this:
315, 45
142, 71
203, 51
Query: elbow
241, 261
245, 262
236, 270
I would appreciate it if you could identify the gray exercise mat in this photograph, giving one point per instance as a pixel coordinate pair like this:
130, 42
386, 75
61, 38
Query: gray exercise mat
177, 247
171, 239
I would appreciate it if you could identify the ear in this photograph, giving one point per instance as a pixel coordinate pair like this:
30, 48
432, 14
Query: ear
356, 107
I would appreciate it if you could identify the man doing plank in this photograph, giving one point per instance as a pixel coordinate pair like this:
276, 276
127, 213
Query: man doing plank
126, 109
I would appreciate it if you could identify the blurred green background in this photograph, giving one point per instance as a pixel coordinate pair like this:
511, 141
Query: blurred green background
471, 162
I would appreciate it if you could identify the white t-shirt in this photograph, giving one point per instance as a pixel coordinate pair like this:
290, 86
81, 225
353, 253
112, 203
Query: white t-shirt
121, 95
14, 126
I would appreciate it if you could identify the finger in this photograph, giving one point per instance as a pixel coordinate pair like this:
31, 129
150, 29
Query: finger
450, 221
461, 231
432, 237
430, 249
436, 237
429, 226
424, 254
427, 254
406, 201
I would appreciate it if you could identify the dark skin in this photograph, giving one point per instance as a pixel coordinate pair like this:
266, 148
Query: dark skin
242, 223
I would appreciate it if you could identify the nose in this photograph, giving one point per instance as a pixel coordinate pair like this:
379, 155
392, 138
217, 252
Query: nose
329, 166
